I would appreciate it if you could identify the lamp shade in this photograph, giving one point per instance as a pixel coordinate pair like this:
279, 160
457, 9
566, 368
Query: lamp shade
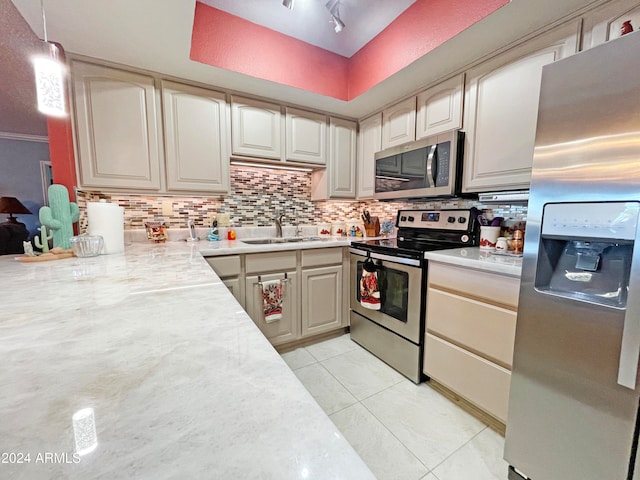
12, 205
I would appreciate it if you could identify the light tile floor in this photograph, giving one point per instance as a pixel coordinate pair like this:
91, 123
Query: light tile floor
401, 430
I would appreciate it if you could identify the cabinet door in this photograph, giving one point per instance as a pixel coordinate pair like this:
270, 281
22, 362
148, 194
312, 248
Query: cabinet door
342, 159
255, 128
321, 299
306, 136
605, 23
196, 130
501, 111
399, 123
233, 284
280, 331
369, 143
440, 108
116, 127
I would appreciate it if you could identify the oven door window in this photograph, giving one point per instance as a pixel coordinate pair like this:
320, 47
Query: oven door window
394, 290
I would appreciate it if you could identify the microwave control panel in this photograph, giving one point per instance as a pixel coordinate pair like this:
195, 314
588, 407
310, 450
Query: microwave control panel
443, 152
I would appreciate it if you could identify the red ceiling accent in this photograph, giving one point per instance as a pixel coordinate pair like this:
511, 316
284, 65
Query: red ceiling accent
230, 42
233, 43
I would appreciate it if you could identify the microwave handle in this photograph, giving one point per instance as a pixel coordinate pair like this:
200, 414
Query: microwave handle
430, 163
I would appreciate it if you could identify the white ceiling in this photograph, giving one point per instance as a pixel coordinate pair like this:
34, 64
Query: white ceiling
156, 36
309, 20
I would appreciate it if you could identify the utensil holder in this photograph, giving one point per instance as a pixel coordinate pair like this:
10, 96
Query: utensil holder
489, 237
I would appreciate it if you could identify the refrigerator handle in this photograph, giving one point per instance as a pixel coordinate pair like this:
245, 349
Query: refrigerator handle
630, 347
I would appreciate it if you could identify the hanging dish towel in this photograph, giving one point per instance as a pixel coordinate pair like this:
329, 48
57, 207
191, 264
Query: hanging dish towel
272, 300
369, 291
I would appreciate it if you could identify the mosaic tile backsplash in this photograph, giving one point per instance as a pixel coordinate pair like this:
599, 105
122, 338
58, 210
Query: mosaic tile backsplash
258, 195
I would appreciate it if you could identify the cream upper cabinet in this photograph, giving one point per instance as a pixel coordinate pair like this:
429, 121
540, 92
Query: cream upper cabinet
256, 128
399, 123
369, 142
501, 111
440, 108
342, 158
196, 139
605, 23
338, 180
306, 136
116, 128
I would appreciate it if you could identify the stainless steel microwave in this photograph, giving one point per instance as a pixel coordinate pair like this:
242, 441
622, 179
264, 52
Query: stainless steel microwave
430, 167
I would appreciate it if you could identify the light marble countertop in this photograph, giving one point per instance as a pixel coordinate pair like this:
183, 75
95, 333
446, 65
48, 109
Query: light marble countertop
473, 257
181, 381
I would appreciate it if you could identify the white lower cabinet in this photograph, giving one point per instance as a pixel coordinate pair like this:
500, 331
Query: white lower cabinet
229, 270
314, 298
470, 333
273, 266
279, 331
322, 302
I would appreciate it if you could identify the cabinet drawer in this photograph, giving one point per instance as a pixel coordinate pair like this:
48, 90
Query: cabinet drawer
225, 266
486, 329
494, 287
481, 382
271, 262
321, 256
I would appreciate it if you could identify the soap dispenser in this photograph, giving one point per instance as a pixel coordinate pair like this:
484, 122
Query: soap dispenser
214, 234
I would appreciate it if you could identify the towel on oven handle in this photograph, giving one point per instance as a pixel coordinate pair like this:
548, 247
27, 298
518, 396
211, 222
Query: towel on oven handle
369, 290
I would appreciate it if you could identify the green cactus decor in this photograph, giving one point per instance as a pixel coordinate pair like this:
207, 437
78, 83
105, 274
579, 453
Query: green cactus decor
60, 215
42, 241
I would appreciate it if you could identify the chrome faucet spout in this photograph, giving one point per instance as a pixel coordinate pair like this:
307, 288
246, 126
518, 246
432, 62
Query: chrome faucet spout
278, 221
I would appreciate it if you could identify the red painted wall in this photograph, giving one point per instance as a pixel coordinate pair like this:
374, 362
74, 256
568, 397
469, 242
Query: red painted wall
421, 28
226, 41
61, 153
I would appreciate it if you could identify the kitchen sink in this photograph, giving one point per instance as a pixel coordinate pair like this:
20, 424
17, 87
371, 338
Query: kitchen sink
266, 241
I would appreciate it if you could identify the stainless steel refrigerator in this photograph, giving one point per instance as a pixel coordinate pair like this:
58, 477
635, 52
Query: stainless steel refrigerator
573, 407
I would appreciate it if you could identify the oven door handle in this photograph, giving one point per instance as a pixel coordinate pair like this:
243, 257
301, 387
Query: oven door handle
389, 258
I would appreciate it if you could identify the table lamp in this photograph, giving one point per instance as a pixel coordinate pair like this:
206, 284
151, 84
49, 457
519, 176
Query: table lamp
12, 205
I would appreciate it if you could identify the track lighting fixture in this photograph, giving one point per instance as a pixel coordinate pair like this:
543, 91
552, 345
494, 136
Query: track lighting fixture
333, 7
288, 4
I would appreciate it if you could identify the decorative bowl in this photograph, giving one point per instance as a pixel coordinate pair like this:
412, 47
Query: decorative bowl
87, 245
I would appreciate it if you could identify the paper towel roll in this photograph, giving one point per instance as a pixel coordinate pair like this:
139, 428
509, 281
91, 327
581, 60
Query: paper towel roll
107, 219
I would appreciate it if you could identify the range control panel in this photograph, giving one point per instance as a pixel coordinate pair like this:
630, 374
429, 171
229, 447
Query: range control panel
459, 220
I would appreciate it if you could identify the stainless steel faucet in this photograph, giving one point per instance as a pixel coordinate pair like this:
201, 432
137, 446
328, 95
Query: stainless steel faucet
279, 225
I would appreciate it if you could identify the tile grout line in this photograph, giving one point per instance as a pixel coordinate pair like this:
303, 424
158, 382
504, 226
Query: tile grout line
461, 446
429, 470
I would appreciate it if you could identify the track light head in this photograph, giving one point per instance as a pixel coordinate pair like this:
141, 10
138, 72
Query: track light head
288, 4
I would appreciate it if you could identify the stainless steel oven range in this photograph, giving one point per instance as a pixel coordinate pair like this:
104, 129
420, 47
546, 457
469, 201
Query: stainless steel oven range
388, 284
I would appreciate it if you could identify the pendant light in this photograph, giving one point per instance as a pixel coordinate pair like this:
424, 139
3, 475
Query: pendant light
49, 72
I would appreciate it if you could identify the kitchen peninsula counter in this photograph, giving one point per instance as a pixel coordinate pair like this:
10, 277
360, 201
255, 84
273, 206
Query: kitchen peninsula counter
473, 257
181, 382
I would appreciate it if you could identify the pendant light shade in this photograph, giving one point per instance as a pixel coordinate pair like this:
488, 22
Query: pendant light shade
49, 73
49, 70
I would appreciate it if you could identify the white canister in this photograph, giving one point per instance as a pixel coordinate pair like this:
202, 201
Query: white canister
324, 229
339, 229
107, 220
489, 237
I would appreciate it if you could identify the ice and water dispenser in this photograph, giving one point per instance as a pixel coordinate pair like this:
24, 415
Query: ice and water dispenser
585, 251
